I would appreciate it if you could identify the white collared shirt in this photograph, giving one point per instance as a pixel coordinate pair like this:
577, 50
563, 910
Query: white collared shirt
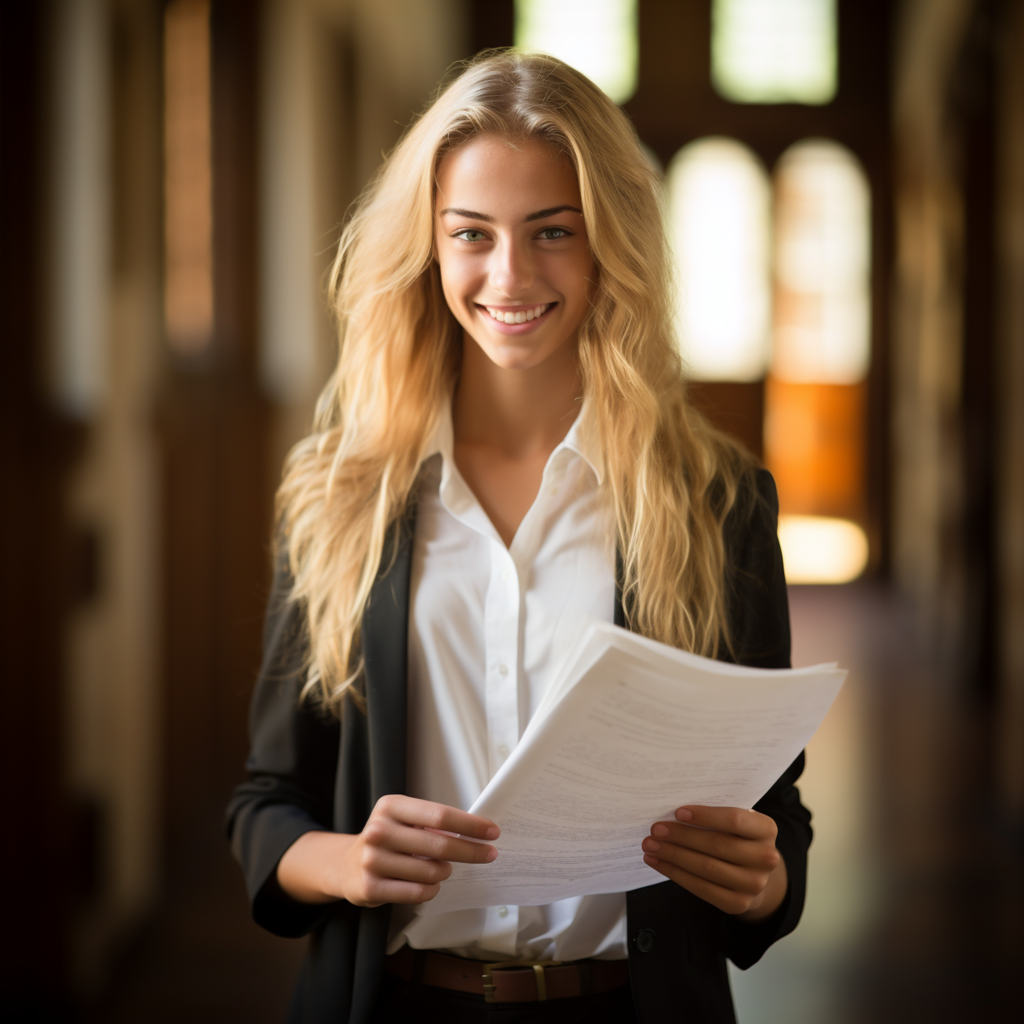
488, 626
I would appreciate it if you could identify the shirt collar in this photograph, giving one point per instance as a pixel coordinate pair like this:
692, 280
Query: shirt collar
582, 439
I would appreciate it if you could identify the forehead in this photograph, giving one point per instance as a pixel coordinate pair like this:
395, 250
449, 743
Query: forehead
492, 171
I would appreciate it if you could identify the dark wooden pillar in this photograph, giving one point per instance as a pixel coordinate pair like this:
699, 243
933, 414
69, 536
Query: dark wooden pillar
217, 495
973, 110
37, 448
491, 23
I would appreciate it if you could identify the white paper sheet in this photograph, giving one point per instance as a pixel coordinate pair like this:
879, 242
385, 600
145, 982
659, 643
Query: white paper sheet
631, 730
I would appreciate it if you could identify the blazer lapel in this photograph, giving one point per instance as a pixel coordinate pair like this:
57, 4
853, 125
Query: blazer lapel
618, 615
384, 637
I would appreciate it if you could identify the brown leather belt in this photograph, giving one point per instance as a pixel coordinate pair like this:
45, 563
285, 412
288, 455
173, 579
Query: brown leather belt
508, 981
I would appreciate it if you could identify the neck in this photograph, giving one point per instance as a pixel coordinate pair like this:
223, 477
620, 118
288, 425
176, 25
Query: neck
519, 412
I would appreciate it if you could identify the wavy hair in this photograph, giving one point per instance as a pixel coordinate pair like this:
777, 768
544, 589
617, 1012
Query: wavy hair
670, 478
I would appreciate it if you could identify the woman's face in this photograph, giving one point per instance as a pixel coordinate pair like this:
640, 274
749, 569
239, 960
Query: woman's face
512, 248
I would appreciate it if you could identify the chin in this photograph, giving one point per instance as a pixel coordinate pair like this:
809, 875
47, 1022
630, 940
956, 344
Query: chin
514, 360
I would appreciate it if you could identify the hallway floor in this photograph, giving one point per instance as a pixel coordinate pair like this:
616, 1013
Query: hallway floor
915, 904
203, 961
915, 907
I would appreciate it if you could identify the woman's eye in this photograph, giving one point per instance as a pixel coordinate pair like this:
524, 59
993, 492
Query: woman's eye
469, 235
553, 234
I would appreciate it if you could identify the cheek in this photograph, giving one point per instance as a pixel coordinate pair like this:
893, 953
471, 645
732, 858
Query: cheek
574, 271
456, 279
581, 280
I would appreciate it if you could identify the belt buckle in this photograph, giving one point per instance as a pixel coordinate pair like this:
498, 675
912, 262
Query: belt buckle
538, 976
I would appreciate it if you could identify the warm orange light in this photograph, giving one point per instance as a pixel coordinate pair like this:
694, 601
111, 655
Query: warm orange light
820, 549
188, 230
814, 446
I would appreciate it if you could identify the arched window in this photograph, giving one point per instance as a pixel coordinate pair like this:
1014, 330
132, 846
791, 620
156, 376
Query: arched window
774, 51
822, 265
718, 220
597, 37
815, 395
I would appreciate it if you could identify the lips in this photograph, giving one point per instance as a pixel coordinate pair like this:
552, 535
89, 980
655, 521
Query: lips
518, 314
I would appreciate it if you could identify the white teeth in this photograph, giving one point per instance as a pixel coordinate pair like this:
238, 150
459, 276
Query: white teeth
520, 317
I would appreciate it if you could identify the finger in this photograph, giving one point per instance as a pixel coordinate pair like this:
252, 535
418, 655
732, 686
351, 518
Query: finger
757, 853
728, 900
744, 879
426, 814
749, 824
422, 843
386, 864
383, 833
394, 890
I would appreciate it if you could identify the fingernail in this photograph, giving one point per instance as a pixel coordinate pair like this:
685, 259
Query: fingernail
491, 854
661, 831
492, 833
652, 845
683, 814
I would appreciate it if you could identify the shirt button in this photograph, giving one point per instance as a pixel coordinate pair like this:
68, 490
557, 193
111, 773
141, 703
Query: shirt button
504, 575
502, 750
503, 669
502, 911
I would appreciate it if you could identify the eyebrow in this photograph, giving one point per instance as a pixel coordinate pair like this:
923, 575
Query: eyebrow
539, 215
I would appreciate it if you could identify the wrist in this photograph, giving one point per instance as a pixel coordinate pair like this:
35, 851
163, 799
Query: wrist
311, 870
772, 896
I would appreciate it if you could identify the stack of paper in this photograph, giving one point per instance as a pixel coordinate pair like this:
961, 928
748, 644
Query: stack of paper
631, 730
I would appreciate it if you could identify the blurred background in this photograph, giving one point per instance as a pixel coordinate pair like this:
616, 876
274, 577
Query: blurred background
844, 188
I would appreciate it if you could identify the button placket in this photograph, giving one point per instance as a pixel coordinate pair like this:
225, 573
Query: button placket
501, 627
501, 930
513, 604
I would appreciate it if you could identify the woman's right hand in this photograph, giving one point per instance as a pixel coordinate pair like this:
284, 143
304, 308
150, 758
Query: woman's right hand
403, 854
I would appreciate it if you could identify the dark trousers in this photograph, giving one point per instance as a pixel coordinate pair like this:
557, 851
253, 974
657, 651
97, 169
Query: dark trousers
402, 1000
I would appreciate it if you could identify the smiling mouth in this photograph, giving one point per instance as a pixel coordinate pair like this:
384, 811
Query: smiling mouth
519, 316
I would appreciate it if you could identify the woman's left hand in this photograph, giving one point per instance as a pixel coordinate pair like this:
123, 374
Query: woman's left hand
724, 855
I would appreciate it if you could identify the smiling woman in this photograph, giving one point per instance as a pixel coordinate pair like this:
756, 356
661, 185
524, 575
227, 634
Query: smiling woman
520, 268
516, 272
504, 450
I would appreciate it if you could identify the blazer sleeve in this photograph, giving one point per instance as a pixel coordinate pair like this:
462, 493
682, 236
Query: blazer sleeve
291, 771
759, 611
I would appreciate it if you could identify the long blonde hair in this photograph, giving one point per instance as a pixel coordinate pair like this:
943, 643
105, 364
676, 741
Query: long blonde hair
670, 478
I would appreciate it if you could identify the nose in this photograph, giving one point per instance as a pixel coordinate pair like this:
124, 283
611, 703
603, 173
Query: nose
511, 270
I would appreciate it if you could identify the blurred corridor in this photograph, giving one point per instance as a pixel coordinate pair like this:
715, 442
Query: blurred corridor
851, 256
915, 898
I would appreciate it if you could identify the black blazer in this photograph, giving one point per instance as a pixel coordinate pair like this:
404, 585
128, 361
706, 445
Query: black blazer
308, 771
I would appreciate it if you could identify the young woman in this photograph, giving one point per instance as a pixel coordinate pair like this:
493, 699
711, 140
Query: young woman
505, 446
